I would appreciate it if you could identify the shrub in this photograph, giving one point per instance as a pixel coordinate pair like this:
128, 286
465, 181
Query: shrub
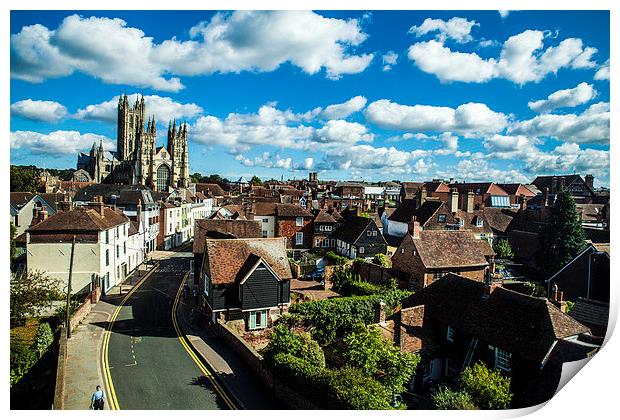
22, 359
489, 390
503, 249
448, 399
333, 318
336, 259
43, 339
534, 289
381, 260
284, 341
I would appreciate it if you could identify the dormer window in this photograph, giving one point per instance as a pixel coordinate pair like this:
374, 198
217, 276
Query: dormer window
299, 221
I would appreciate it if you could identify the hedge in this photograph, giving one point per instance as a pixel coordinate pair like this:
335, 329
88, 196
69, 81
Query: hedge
345, 388
333, 318
22, 359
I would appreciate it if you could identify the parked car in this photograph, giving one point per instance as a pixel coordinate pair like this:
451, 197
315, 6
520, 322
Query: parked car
317, 274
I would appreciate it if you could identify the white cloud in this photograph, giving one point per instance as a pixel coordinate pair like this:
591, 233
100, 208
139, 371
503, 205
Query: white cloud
389, 59
368, 157
565, 98
458, 29
47, 111
163, 108
343, 110
522, 59
503, 13
58, 143
466, 119
266, 160
343, 132
603, 72
229, 43
591, 126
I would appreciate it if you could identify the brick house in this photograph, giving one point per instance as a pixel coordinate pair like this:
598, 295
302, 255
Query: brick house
350, 190
518, 193
456, 322
323, 225
487, 194
220, 229
431, 215
245, 279
359, 237
424, 256
295, 224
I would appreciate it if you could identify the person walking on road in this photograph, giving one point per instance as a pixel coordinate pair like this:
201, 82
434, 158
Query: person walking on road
96, 401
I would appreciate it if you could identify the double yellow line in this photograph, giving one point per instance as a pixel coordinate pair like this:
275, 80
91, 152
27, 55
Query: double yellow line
107, 378
206, 372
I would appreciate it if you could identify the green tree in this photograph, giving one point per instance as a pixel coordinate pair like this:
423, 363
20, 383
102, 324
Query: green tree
284, 341
448, 399
12, 247
196, 177
381, 260
367, 350
562, 236
256, 181
31, 292
489, 390
503, 249
24, 179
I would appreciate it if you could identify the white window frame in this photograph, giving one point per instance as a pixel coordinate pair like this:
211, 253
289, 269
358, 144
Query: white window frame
441, 218
361, 249
299, 221
450, 334
502, 359
299, 238
479, 222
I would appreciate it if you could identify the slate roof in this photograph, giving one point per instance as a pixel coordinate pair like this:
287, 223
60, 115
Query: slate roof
133, 196
353, 228
542, 182
407, 209
451, 249
590, 312
80, 219
291, 210
512, 321
52, 199
226, 258
19, 199
88, 194
214, 228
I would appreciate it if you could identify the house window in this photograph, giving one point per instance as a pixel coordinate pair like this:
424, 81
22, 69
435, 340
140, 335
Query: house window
265, 233
427, 368
207, 284
450, 334
117, 231
117, 251
374, 233
442, 218
107, 236
328, 228
479, 222
265, 220
299, 238
368, 233
299, 221
258, 320
107, 257
502, 359
124, 248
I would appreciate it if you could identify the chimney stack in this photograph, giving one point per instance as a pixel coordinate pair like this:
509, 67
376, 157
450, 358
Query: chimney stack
453, 200
470, 202
522, 203
422, 192
545, 197
590, 181
414, 227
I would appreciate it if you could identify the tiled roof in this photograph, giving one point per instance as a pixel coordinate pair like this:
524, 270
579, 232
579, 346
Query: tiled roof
264, 209
134, 228
451, 249
324, 217
512, 321
133, 196
19, 199
437, 187
214, 228
53, 199
334, 213
80, 219
542, 182
517, 189
499, 219
602, 247
423, 213
291, 210
589, 212
213, 189
404, 211
227, 257
470, 219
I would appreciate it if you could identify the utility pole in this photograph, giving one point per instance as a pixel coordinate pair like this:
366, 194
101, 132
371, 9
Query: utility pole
69, 289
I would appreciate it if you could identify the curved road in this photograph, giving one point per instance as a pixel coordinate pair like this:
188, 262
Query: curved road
148, 365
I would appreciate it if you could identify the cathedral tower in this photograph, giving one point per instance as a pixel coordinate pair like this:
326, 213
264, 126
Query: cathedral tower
130, 121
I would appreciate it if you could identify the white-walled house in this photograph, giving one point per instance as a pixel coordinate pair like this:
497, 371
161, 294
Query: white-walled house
104, 250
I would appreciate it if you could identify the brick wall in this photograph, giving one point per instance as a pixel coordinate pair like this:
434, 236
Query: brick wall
287, 227
59, 388
373, 273
411, 329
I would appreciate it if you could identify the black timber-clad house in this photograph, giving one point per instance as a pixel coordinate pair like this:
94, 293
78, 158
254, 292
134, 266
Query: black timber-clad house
359, 237
245, 279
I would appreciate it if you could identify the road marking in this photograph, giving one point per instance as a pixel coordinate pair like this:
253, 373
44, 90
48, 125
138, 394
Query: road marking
107, 377
206, 372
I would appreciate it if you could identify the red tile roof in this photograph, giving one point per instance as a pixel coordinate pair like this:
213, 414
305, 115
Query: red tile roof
233, 228
450, 249
80, 219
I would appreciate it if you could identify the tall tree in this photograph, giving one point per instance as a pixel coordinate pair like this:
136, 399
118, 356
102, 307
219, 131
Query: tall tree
256, 181
31, 292
24, 178
196, 177
562, 236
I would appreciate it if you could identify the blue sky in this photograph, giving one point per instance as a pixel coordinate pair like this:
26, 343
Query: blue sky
375, 95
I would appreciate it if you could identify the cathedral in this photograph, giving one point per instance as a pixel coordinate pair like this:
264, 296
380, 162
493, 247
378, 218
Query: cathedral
138, 160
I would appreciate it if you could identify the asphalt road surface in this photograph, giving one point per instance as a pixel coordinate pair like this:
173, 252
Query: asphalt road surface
148, 366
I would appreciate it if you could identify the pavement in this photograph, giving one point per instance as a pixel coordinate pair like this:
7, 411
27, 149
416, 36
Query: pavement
148, 365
